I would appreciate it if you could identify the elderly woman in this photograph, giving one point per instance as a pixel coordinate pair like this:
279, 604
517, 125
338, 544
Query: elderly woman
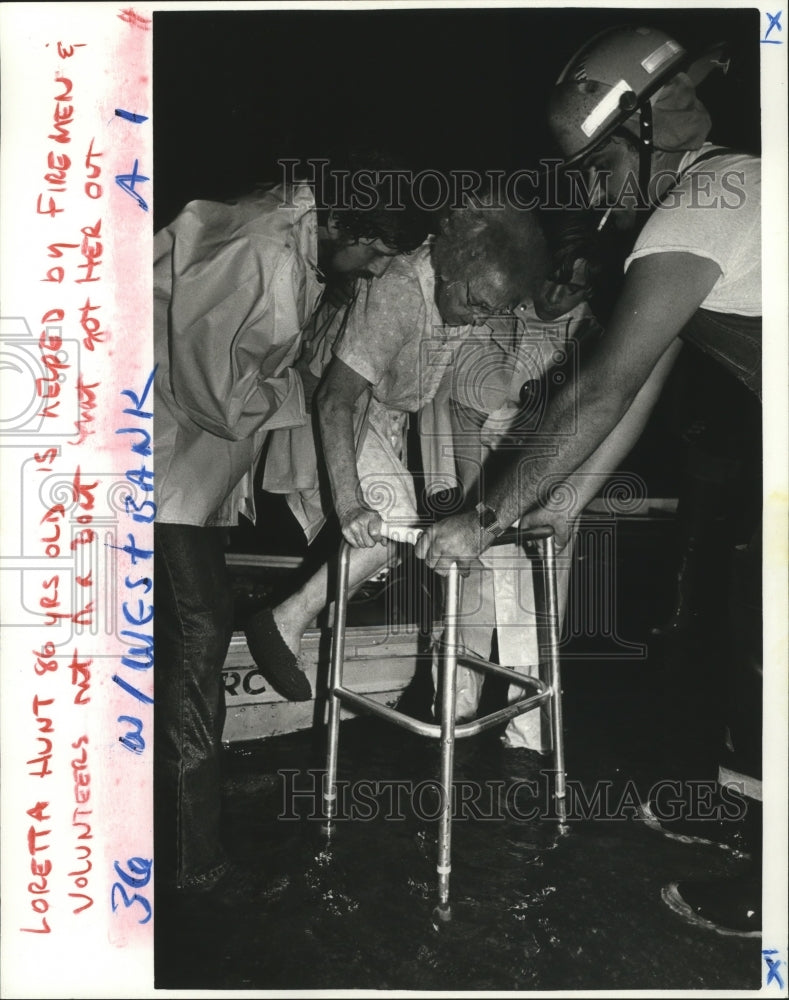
391, 354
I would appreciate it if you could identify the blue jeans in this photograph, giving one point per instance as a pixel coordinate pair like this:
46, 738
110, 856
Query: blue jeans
194, 625
733, 341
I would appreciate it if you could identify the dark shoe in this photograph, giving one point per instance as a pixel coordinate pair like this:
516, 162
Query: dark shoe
274, 658
714, 820
525, 759
732, 907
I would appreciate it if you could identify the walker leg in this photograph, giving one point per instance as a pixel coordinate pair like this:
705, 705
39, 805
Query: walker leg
335, 681
449, 684
552, 614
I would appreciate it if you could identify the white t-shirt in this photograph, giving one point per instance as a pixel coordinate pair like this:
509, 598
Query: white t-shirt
714, 212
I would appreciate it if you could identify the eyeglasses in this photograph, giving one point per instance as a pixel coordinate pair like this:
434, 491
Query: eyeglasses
479, 305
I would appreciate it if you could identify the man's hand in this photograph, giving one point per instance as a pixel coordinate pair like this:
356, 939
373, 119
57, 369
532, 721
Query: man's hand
361, 527
457, 539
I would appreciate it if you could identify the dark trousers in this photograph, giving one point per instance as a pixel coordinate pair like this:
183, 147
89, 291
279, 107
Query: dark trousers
735, 343
744, 706
194, 624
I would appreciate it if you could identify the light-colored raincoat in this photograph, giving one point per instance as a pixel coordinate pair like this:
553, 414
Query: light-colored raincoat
233, 286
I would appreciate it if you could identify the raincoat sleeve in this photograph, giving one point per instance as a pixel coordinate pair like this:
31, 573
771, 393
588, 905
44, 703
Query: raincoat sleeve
234, 324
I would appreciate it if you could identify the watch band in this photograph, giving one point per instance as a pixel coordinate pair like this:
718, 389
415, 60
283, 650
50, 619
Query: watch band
489, 519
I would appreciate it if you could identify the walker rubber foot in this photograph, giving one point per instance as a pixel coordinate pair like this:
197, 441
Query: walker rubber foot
442, 914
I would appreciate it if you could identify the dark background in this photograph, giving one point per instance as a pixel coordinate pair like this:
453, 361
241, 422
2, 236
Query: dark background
236, 91
442, 89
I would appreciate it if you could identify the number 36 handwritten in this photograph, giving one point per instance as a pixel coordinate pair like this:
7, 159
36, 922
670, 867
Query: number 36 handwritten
137, 877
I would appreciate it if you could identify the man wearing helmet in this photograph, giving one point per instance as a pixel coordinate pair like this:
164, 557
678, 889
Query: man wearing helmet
625, 112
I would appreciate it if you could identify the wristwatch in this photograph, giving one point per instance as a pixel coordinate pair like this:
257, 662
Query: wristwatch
489, 519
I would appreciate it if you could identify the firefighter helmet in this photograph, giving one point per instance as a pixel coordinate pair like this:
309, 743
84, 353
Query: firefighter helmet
606, 81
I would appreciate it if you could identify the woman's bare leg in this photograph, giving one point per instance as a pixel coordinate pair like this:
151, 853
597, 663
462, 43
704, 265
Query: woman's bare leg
295, 613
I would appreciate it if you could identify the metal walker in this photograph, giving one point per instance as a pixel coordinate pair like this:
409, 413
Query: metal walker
540, 541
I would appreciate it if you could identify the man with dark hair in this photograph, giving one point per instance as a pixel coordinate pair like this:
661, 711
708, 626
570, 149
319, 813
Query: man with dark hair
234, 285
576, 264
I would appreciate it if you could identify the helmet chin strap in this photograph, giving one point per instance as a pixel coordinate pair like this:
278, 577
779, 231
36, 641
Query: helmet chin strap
645, 144
645, 148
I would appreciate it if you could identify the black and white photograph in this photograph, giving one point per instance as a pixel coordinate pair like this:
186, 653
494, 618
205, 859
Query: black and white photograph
459, 488
452, 480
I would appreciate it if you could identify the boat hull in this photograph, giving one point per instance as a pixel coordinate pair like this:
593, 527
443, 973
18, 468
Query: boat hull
380, 662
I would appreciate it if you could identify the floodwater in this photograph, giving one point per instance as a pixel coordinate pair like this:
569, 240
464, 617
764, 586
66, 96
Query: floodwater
534, 907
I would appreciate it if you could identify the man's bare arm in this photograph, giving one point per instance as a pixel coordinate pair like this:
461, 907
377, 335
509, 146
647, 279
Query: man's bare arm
586, 481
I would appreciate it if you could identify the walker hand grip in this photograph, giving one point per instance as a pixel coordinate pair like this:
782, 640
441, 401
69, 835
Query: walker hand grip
401, 533
411, 536
517, 535
536, 534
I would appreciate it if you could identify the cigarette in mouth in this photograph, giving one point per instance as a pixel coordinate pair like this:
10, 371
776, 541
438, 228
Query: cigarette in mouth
604, 220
